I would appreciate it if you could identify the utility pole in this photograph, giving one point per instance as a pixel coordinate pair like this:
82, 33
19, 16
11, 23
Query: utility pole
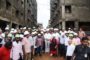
11, 16
25, 12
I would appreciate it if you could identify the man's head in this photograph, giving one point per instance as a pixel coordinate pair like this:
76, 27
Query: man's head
8, 45
84, 41
26, 34
17, 36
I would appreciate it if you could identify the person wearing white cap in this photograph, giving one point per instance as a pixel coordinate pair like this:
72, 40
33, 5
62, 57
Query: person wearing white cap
7, 28
70, 50
31, 45
76, 40
21, 35
57, 35
9, 38
26, 44
17, 50
39, 43
47, 37
12, 29
34, 36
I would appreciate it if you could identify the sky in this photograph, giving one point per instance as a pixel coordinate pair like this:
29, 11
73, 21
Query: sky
43, 13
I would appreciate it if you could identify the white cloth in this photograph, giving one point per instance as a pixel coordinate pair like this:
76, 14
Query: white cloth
16, 50
66, 41
31, 42
47, 37
34, 38
62, 39
70, 50
57, 36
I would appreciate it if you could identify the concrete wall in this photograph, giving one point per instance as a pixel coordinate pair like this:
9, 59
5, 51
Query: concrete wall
22, 17
80, 11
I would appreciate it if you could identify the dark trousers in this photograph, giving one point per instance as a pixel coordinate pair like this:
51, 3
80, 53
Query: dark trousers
68, 57
62, 50
0, 45
39, 50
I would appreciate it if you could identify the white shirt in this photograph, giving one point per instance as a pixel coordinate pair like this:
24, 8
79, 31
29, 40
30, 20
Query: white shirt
48, 36
34, 38
62, 39
31, 41
66, 41
70, 50
57, 36
16, 50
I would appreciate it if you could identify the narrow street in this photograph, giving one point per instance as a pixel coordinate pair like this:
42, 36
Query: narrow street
47, 57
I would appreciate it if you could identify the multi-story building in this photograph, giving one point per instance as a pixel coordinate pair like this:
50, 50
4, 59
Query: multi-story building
31, 13
17, 13
70, 13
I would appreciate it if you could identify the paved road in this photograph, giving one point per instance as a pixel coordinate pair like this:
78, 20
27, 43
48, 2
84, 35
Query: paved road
47, 57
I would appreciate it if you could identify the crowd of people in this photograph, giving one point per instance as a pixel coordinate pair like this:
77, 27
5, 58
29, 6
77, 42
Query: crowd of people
26, 43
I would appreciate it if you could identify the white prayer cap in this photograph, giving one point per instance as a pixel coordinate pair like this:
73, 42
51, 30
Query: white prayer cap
11, 32
69, 28
2, 35
42, 32
12, 29
56, 29
9, 35
39, 34
17, 35
53, 36
33, 33
24, 28
26, 33
15, 31
75, 34
47, 29
21, 35
70, 35
29, 28
7, 28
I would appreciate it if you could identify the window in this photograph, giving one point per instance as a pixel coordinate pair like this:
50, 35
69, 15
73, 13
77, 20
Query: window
21, 14
28, 11
22, 2
68, 9
17, 12
8, 4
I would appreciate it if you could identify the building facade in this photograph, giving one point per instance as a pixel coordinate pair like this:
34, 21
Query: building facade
70, 14
17, 13
31, 13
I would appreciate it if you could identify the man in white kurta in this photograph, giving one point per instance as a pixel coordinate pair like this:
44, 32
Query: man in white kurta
47, 37
16, 50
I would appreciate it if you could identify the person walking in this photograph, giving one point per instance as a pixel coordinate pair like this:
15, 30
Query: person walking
26, 44
81, 51
17, 50
5, 51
